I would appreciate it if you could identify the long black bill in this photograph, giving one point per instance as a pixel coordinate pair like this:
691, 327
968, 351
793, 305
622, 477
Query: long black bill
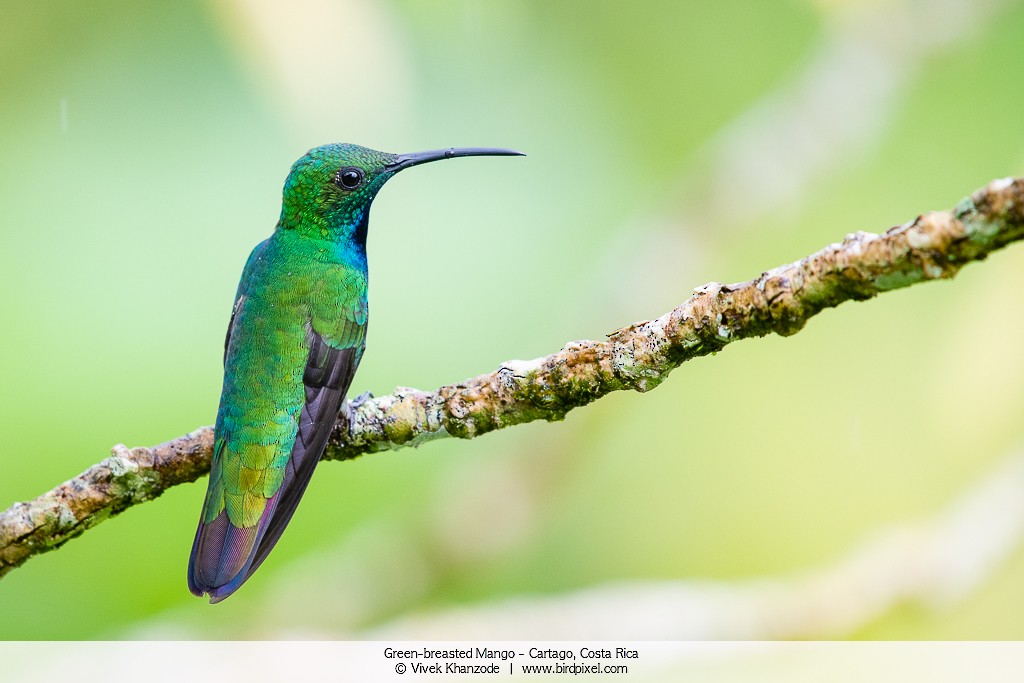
417, 158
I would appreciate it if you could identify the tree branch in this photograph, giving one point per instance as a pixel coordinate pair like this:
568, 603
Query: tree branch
638, 357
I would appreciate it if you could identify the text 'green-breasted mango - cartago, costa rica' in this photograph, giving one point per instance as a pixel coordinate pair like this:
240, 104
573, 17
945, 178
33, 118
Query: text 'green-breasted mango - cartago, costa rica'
296, 335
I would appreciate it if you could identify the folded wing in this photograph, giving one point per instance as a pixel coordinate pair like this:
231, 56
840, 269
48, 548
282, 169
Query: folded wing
247, 508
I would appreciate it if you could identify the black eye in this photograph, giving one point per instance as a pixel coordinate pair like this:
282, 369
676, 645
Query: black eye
349, 177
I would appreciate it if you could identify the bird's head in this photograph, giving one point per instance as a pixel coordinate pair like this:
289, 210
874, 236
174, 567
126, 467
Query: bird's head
329, 190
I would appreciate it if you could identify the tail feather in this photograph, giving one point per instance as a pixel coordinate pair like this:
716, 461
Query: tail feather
224, 556
221, 555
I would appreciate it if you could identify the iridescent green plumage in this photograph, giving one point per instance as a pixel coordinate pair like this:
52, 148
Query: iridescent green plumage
296, 336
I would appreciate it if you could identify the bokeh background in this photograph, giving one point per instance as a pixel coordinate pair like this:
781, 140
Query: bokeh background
142, 153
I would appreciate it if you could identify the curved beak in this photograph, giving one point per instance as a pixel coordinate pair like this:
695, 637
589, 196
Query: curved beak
417, 158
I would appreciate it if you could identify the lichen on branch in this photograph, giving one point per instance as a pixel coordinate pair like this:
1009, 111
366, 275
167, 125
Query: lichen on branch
638, 357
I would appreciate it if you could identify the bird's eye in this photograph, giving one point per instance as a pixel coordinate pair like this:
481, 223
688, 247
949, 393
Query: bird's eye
348, 178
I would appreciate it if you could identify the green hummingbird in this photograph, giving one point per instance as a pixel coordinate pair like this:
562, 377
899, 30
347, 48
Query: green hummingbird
296, 335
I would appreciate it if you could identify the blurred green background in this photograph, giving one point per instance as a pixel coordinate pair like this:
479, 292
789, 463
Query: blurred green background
143, 150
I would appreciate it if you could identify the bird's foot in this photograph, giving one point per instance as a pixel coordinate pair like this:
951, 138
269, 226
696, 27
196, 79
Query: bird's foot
352, 406
360, 400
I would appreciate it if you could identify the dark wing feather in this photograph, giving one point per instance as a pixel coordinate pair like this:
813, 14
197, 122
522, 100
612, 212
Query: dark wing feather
328, 375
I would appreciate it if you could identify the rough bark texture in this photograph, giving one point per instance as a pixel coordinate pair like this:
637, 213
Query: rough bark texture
639, 357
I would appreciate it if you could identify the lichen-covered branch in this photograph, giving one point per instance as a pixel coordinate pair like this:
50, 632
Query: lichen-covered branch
639, 357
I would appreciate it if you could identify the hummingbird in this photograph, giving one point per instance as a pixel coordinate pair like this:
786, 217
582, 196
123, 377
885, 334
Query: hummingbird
295, 338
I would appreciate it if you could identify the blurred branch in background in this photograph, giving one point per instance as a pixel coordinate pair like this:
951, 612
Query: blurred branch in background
827, 117
778, 148
637, 357
385, 568
290, 53
934, 562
